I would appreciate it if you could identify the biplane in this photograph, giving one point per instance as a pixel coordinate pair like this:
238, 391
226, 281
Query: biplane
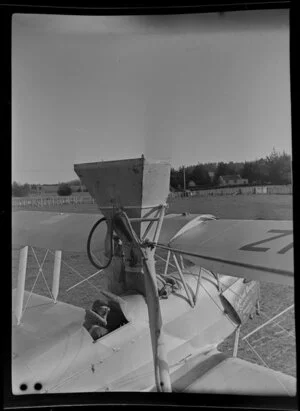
153, 330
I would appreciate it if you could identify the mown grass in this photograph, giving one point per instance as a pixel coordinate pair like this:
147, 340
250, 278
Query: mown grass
265, 207
275, 347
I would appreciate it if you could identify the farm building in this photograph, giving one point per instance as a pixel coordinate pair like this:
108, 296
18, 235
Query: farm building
36, 189
231, 180
211, 175
191, 184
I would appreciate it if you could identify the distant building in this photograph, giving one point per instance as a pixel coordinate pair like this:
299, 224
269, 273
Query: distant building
211, 175
36, 189
232, 180
191, 184
50, 189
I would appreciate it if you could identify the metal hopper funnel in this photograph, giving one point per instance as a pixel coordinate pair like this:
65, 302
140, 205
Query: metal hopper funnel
132, 194
136, 185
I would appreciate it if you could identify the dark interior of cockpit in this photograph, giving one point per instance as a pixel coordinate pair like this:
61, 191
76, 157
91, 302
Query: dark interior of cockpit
104, 317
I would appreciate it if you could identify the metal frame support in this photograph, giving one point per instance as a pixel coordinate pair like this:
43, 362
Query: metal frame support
236, 341
162, 212
181, 262
198, 286
21, 283
56, 274
167, 263
161, 368
183, 280
125, 230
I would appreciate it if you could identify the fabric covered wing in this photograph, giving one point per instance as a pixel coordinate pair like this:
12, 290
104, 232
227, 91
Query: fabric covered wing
219, 374
254, 249
57, 231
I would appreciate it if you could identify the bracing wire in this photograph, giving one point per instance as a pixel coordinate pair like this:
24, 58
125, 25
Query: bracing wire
50, 293
266, 365
111, 295
220, 308
280, 326
40, 269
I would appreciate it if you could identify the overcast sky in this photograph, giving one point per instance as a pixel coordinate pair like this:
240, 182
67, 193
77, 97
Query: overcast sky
188, 89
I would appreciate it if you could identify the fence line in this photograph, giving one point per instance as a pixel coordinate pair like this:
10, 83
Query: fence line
286, 189
51, 201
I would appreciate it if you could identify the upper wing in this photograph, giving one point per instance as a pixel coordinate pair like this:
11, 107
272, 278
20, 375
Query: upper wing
57, 231
254, 249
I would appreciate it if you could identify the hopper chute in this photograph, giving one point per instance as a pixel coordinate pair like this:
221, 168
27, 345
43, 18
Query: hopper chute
136, 185
131, 194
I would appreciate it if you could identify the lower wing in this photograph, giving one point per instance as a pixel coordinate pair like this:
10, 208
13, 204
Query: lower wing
218, 373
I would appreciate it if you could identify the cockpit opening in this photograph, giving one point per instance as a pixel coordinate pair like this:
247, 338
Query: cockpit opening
104, 317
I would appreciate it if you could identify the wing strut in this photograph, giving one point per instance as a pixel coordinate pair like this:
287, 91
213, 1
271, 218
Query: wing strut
21, 283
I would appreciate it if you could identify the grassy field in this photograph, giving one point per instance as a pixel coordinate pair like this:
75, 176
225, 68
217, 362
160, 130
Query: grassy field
275, 347
271, 207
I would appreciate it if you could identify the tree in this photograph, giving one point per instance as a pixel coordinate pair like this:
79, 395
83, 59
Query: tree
75, 182
200, 175
64, 190
223, 169
19, 190
251, 171
279, 167
174, 178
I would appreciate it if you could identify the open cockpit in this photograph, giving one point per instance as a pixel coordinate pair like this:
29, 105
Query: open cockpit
105, 316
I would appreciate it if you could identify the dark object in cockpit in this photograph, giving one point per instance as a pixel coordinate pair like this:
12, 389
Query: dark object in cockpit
95, 321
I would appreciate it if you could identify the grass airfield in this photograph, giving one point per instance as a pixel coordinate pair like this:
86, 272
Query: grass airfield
276, 348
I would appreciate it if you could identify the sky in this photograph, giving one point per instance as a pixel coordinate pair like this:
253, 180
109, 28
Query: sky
186, 89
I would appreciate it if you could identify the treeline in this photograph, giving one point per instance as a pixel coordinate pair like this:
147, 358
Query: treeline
20, 190
273, 169
63, 189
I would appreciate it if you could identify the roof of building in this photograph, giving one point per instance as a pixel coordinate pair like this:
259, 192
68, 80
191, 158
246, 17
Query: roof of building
231, 177
191, 183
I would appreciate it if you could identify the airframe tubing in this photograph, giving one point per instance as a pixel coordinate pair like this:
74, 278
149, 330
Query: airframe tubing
183, 280
159, 224
161, 368
167, 263
236, 341
56, 274
198, 285
21, 283
181, 262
